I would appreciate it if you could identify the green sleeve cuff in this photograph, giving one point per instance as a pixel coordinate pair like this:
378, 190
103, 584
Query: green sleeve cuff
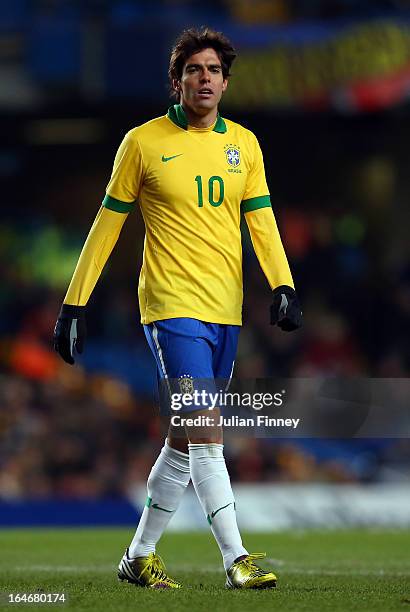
255, 203
116, 205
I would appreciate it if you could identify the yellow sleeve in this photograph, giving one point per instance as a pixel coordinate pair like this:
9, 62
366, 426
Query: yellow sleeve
268, 247
256, 192
127, 174
121, 194
96, 250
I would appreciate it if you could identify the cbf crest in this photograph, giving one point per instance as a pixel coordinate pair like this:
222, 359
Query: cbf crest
233, 155
186, 384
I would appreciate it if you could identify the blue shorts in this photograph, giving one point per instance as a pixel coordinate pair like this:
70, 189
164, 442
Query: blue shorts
191, 355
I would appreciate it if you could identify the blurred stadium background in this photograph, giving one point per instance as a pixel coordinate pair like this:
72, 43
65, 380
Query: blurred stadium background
325, 85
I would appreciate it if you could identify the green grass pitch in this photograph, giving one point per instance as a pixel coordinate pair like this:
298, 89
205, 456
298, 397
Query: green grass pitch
345, 570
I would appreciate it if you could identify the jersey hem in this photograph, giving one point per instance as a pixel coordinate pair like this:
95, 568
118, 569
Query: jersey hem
146, 320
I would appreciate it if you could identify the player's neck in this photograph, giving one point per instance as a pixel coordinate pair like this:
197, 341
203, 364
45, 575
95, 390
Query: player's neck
200, 121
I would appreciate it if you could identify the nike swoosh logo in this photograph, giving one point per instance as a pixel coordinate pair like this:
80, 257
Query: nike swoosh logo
159, 508
165, 159
216, 511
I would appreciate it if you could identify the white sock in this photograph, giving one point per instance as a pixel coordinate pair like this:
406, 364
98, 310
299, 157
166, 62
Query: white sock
168, 479
213, 487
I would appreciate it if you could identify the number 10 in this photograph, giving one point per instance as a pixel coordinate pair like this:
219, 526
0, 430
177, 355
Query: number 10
211, 182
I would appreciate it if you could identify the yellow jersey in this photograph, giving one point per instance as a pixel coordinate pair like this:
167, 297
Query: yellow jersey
191, 185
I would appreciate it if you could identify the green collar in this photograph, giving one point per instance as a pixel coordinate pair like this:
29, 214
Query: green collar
177, 115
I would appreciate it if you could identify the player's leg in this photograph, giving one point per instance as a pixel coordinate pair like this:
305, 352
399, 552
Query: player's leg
167, 481
166, 484
178, 442
173, 344
207, 463
212, 483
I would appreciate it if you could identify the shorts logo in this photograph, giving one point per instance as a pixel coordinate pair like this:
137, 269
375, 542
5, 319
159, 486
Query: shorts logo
186, 384
233, 155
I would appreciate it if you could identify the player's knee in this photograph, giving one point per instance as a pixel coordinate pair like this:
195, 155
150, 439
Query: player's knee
178, 443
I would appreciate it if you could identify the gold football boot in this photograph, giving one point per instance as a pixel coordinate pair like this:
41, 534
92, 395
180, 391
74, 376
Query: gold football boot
245, 574
146, 571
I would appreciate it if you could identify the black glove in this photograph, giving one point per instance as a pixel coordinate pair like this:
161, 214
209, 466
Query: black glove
70, 332
285, 310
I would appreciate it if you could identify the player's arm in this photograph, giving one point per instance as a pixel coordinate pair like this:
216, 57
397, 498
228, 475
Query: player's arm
70, 328
97, 248
285, 310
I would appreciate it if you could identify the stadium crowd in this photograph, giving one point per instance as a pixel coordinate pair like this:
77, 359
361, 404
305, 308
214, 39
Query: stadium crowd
79, 436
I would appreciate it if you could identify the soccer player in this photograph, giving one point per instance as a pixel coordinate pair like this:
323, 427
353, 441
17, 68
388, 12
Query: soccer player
192, 173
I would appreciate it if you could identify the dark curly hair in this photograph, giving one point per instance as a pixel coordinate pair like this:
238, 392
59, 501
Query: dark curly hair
192, 41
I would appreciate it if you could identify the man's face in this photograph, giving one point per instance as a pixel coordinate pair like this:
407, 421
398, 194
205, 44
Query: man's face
202, 83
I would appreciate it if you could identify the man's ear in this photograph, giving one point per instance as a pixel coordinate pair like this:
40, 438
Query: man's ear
224, 85
176, 84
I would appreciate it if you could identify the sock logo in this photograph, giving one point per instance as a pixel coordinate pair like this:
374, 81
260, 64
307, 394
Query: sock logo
149, 504
215, 512
159, 508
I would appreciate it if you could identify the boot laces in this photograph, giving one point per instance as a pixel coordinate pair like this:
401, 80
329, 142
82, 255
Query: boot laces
156, 568
249, 563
